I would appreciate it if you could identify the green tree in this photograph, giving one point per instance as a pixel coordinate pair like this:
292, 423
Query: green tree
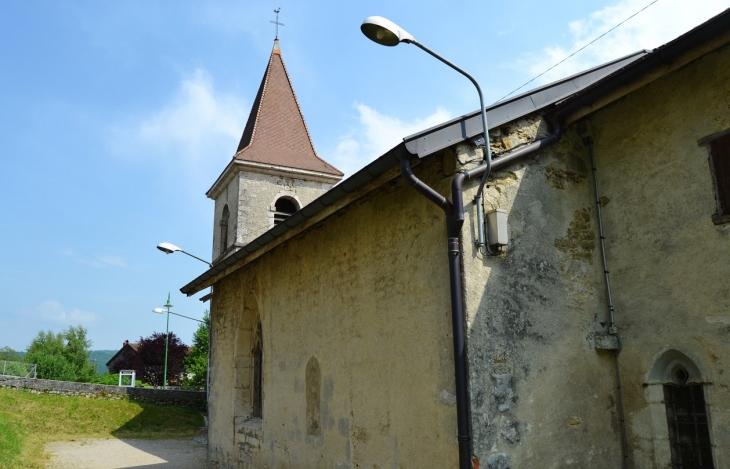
46, 343
54, 367
61, 356
196, 362
77, 348
6, 353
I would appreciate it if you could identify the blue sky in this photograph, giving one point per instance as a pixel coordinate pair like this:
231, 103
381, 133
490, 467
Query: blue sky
118, 116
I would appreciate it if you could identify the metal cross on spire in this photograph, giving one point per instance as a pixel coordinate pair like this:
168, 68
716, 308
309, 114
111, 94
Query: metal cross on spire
277, 22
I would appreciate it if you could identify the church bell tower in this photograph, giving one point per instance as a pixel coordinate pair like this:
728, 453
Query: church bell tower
275, 170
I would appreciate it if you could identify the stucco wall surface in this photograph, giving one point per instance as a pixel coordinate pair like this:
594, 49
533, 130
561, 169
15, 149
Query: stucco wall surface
541, 396
357, 367
669, 262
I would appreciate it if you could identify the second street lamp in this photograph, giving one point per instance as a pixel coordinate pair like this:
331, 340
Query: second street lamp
168, 305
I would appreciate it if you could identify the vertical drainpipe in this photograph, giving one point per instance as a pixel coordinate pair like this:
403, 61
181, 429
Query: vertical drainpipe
454, 221
453, 228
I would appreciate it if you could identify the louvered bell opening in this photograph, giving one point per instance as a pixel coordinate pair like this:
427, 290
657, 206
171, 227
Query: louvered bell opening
285, 207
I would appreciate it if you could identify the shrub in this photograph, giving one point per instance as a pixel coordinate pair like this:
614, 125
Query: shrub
62, 356
106, 378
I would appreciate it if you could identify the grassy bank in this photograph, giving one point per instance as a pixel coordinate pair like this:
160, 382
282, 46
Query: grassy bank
29, 421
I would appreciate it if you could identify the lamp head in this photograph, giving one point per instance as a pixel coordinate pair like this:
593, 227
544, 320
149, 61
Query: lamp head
168, 248
159, 311
384, 32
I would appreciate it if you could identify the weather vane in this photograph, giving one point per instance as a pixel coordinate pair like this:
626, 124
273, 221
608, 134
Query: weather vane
277, 22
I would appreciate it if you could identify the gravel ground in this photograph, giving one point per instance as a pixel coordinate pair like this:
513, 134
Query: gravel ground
186, 453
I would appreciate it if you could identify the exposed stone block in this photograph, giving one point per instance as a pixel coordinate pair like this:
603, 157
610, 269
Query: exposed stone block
606, 342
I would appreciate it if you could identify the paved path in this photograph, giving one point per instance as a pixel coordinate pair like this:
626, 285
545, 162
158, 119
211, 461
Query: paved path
187, 453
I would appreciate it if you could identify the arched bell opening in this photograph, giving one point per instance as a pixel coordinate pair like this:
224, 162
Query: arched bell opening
284, 207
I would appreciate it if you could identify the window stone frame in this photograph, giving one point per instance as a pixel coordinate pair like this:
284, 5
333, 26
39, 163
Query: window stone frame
660, 374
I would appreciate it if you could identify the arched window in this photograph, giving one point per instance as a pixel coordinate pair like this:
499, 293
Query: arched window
687, 419
689, 430
257, 356
284, 208
224, 229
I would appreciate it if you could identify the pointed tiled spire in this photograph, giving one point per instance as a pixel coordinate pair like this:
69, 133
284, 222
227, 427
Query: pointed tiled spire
276, 133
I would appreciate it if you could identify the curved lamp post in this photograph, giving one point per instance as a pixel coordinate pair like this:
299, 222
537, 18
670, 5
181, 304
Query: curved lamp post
169, 248
162, 310
385, 32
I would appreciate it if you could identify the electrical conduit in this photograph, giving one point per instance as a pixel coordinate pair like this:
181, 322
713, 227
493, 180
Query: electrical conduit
612, 329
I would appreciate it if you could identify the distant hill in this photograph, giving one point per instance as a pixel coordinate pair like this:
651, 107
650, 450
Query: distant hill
101, 357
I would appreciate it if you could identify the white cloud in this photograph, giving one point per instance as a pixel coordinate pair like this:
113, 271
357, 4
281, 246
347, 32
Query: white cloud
377, 133
197, 129
53, 311
115, 261
657, 25
98, 261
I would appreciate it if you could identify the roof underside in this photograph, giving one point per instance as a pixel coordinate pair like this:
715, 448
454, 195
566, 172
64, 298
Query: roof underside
275, 132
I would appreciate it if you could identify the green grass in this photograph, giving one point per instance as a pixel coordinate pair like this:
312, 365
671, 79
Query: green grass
29, 421
11, 437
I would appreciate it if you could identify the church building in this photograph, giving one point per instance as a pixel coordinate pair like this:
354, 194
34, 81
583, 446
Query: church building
367, 323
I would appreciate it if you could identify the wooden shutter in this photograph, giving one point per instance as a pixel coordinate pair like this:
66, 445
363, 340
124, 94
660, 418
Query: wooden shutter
720, 164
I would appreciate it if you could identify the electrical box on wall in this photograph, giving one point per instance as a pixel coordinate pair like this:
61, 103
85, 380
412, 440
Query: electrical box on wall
497, 229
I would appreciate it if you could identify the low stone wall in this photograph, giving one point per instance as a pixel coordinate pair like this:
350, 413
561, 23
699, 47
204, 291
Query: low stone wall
191, 399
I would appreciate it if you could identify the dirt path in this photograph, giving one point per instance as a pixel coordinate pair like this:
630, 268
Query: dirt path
187, 453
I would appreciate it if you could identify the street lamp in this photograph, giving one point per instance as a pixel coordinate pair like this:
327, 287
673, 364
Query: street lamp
169, 248
168, 305
386, 33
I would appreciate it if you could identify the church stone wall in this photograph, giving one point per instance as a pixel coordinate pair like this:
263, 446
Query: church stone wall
250, 197
229, 196
259, 192
357, 348
543, 393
